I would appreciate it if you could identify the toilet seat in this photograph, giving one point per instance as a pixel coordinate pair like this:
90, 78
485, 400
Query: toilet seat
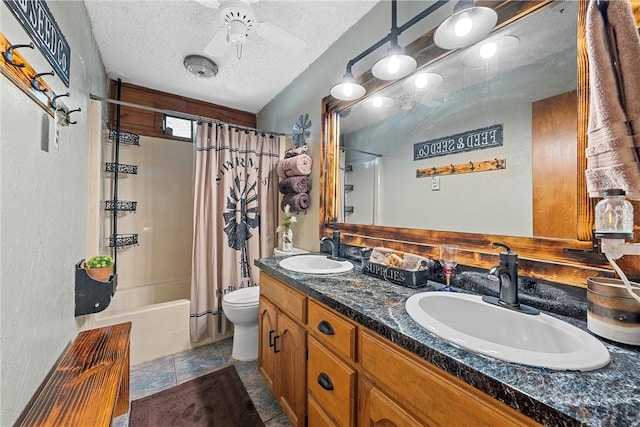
245, 297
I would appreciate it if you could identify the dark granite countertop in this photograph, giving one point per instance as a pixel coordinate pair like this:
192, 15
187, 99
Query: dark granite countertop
606, 397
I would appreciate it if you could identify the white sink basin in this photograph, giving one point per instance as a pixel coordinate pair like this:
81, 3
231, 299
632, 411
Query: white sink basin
315, 264
535, 340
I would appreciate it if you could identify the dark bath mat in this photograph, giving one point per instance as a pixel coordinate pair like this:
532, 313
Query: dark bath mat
218, 399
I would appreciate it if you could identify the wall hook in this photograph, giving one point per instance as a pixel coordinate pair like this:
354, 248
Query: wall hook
8, 54
53, 102
472, 166
36, 84
453, 168
73, 111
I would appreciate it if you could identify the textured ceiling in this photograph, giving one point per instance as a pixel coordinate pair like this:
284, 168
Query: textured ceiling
145, 43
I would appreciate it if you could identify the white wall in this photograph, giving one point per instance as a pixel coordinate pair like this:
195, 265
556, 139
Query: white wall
305, 93
159, 268
43, 205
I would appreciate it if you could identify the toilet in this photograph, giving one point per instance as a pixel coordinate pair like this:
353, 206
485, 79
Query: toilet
241, 308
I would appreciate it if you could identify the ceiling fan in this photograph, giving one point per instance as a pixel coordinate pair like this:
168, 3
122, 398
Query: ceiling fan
238, 21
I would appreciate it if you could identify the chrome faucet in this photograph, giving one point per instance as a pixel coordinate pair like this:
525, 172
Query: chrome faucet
333, 242
506, 274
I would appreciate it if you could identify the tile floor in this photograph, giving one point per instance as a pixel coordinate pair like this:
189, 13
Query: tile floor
163, 373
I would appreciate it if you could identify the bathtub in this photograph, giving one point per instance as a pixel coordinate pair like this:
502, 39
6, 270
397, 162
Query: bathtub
159, 316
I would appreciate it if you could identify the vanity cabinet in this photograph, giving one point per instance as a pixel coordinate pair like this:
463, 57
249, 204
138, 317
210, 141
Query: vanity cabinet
353, 377
282, 346
331, 375
434, 397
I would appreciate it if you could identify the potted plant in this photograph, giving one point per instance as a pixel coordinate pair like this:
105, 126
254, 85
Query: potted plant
99, 267
285, 227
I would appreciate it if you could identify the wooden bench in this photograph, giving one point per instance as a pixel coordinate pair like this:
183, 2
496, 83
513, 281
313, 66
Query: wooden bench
90, 383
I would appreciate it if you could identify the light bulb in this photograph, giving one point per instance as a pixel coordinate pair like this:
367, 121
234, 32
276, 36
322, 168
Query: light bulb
488, 50
463, 25
377, 102
393, 65
421, 81
348, 89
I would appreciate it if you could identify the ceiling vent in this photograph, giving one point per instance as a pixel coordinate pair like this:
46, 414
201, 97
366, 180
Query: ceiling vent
200, 66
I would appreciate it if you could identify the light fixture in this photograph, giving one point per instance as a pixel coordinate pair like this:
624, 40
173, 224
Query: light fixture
488, 50
200, 66
467, 25
348, 89
379, 102
422, 80
395, 65
497, 47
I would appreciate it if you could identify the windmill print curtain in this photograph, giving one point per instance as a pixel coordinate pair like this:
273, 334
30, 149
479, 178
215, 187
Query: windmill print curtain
235, 201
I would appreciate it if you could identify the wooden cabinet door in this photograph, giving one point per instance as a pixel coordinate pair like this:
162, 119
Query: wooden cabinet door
290, 350
268, 328
379, 410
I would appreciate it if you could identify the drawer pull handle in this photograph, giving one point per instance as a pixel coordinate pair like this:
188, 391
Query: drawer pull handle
275, 344
326, 328
271, 340
325, 381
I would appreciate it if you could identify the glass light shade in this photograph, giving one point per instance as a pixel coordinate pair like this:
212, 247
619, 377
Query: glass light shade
394, 66
455, 32
614, 216
348, 90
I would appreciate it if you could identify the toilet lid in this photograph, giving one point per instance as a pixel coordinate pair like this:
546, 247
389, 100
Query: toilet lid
244, 296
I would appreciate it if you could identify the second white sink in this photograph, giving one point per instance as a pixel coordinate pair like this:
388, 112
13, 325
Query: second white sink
315, 264
535, 340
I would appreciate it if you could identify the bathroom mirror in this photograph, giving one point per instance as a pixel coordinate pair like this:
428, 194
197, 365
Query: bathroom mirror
534, 67
567, 259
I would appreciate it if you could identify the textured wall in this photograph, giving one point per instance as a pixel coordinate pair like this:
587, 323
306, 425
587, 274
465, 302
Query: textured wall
43, 211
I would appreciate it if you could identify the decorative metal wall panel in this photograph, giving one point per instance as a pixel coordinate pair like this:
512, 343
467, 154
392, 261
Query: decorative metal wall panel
121, 240
122, 168
127, 138
122, 205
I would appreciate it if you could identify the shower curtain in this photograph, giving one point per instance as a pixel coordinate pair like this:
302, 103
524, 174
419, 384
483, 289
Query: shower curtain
236, 193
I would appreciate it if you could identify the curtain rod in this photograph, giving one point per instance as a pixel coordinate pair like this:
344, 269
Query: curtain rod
359, 151
182, 115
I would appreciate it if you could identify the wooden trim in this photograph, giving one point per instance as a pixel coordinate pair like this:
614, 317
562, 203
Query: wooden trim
149, 123
568, 261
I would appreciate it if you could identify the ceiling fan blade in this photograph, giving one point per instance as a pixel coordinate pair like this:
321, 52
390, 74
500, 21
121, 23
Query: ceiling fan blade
213, 4
218, 46
279, 36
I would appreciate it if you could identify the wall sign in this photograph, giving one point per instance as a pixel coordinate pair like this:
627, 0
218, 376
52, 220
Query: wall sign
476, 139
37, 20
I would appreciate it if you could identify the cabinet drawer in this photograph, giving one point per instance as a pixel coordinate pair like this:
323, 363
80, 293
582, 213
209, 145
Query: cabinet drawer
285, 297
332, 383
431, 392
317, 416
332, 330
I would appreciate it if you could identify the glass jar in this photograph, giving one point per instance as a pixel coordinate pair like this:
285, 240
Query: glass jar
614, 216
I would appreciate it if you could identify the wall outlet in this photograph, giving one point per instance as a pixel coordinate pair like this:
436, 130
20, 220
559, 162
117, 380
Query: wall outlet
435, 183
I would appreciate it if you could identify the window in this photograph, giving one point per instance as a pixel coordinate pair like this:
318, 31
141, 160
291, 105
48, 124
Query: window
180, 128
